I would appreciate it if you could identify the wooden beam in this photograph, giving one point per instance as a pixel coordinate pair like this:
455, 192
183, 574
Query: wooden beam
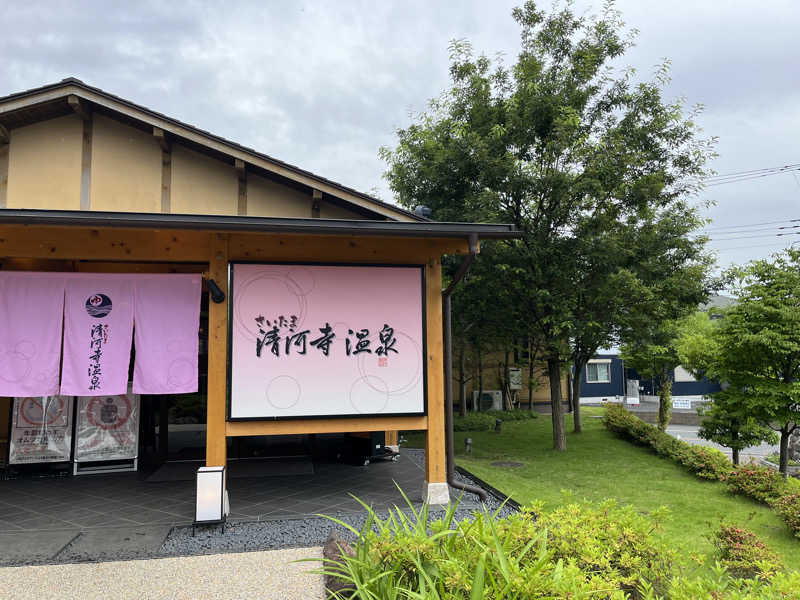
162, 138
77, 243
393, 250
217, 355
435, 457
80, 108
5, 137
3, 176
316, 200
241, 170
166, 180
86, 162
347, 424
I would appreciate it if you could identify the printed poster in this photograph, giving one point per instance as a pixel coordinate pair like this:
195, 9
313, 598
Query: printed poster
107, 428
41, 430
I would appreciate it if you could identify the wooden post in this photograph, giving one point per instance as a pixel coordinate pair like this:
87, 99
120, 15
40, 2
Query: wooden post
436, 491
217, 355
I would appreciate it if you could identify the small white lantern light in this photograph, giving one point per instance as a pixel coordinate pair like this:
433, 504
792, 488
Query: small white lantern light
210, 506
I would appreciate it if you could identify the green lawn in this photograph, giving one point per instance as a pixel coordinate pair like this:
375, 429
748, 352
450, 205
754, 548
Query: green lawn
598, 465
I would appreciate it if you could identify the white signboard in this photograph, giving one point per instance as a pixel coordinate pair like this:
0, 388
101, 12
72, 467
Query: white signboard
107, 428
41, 430
685, 403
632, 392
326, 340
515, 379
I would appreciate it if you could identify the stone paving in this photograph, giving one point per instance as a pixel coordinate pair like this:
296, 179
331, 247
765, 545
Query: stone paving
272, 575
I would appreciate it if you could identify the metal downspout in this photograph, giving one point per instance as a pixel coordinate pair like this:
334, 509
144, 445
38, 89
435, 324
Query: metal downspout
448, 372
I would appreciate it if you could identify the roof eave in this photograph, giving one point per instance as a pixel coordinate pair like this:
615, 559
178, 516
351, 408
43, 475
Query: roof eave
223, 223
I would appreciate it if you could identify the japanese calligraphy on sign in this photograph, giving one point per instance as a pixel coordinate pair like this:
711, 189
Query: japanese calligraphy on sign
326, 340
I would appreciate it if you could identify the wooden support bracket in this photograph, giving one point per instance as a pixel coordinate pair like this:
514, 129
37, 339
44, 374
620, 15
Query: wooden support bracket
80, 108
315, 204
163, 141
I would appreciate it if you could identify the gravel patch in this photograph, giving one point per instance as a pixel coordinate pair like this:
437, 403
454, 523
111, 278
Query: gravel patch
257, 575
298, 533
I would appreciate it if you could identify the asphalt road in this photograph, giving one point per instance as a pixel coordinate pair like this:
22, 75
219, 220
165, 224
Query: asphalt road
688, 433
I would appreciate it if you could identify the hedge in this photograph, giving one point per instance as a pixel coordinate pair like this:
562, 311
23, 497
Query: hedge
759, 483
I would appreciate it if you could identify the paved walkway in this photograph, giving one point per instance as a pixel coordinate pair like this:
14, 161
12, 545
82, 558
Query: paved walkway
253, 575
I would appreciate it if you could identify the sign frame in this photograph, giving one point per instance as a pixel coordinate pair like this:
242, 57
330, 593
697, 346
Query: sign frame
229, 349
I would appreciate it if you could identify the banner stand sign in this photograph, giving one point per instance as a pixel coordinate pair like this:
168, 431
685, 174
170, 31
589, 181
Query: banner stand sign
107, 429
41, 430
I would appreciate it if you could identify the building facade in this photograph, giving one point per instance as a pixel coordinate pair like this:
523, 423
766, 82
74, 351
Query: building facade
91, 183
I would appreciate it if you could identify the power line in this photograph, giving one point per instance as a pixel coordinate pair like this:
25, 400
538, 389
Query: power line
735, 173
721, 227
715, 180
750, 177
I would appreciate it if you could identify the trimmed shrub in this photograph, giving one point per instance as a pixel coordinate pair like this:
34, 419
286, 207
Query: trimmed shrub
708, 463
721, 585
484, 421
760, 483
743, 554
788, 508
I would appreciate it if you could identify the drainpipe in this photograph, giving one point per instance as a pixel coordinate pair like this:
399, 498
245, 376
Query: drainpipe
448, 372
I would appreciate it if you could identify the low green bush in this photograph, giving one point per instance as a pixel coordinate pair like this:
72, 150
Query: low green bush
721, 586
707, 463
760, 483
743, 554
580, 550
484, 421
788, 507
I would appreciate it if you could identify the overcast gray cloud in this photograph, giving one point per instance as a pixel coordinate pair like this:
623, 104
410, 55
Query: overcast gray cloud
323, 85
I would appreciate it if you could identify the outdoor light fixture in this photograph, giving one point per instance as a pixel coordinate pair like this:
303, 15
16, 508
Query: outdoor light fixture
498, 425
217, 295
468, 445
210, 508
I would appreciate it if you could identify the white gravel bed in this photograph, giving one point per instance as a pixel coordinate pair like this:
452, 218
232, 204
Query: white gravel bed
268, 575
294, 533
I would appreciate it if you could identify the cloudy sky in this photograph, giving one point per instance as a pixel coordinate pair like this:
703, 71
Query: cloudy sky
323, 85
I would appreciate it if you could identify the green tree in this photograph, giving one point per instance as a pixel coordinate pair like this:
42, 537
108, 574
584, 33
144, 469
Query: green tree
756, 346
724, 420
561, 147
654, 355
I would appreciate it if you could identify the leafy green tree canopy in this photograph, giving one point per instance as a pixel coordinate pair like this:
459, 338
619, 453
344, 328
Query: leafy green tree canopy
573, 153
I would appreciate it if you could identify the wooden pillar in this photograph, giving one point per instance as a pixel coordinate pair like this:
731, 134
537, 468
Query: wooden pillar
217, 354
435, 458
390, 438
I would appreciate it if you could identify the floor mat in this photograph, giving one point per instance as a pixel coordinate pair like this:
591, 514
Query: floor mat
239, 469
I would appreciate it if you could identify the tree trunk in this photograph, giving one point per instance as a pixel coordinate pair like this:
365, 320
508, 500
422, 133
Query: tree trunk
530, 373
462, 379
735, 454
576, 396
664, 402
784, 462
480, 380
554, 374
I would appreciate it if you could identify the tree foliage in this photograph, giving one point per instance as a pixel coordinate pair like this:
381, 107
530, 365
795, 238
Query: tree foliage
724, 421
755, 348
595, 169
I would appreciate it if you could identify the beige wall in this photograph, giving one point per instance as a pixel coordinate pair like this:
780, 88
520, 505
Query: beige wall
126, 168
202, 185
44, 171
332, 211
266, 198
44, 165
